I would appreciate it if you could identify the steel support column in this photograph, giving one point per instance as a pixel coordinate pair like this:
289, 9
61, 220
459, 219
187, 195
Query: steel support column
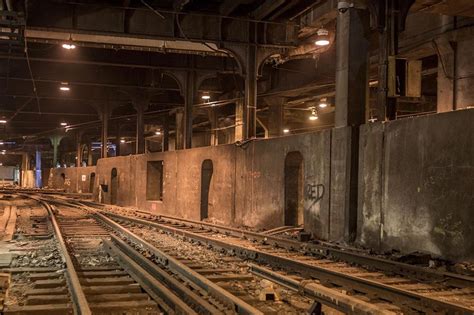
38, 177
352, 47
250, 110
166, 134
239, 120
275, 116
179, 139
213, 119
104, 116
78, 149
89, 154
55, 141
189, 99
140, 133
118, 137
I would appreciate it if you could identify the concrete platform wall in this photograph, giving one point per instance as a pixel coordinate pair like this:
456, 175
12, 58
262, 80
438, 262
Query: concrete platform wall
75, 179
416, 185
415, 191
247, 186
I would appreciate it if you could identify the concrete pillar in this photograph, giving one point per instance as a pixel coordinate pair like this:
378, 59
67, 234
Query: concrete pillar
275, 116
166, 134
351, 98
55, 141
38, 177
189, 99
179, 137
250, 110
213, 119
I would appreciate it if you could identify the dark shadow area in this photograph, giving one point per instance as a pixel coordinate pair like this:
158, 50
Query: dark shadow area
91, 182
113, 186
206, 176
294, 189
154, 180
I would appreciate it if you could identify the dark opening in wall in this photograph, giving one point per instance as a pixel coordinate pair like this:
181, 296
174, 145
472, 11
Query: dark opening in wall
206, 175
91, 182
294, 183
154, 180
63, 178
113, 186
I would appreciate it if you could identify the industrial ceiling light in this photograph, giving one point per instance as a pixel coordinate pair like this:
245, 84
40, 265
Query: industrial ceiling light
323, 103
1, 142
3, 121
69, 44
64, 86
206, 96
122, 140
157, 132
286, 130
64, 124
314, 114
323, 37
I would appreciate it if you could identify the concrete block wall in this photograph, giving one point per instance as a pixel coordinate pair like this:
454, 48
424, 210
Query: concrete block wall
247, 186
416, 185
71, 179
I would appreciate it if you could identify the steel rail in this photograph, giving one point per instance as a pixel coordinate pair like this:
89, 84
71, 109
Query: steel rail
81, 306
237, 304
202, 306
167, 300
418, 301
450, 278
152, 286
342, 302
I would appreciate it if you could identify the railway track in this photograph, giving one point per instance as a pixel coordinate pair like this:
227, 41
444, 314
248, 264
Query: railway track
390, 285
348, 281
129, 275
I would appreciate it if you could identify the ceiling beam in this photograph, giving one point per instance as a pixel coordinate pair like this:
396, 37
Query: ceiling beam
94, 84
112, 64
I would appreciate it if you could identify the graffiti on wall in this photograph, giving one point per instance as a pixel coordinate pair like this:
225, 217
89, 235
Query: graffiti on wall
314, 193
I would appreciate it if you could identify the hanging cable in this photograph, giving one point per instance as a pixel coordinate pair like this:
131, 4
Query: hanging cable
28, 61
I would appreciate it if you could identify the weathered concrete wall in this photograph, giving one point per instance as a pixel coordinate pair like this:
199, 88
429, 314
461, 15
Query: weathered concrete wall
416, 185
260, 173
247, 185
125, 167
75, 179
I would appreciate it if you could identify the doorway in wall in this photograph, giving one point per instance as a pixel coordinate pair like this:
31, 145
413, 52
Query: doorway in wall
294, 194
113, 186
63, 179
91, 183
206, 176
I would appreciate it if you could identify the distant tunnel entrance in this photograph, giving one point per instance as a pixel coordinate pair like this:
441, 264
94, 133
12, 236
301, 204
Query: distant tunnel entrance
206, 175
113, 186
294, 183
